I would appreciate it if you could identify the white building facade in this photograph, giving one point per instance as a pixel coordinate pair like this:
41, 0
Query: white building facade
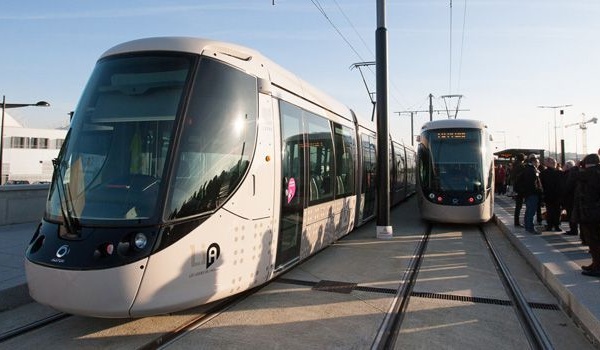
28, 153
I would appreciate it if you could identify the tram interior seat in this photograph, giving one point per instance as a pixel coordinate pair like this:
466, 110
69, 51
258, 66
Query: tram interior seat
314, 188
340, 184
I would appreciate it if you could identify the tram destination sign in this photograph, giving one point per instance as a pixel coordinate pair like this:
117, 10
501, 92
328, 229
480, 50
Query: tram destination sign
451, 135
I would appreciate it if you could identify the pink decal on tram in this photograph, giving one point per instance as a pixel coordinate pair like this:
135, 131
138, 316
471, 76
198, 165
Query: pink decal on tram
291, 189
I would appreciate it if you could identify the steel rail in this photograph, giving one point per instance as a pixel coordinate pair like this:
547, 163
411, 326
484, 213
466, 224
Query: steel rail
13, 333
390, 327
537, 337
168, 338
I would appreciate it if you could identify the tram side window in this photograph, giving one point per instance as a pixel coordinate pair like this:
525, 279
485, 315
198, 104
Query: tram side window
399, 166
410, 167
320, 158
345, 149
292, 155
425, 167
217, 143
369, 162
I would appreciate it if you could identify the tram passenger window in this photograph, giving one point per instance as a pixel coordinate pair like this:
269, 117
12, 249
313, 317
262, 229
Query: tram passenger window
292, 155
345, 149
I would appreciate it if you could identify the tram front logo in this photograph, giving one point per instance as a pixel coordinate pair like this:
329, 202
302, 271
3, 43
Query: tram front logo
211, 255
61, 253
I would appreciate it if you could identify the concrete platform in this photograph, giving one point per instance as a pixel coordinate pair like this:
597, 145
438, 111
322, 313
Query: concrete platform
557, 259
13, 243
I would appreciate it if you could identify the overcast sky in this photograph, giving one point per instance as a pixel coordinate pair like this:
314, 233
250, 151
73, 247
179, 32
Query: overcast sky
505, 57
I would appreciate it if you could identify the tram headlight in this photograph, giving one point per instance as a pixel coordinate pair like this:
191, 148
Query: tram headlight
140, 240
479, 197
431, 196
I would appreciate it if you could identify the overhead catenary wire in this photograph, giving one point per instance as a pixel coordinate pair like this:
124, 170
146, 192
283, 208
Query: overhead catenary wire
354, 28
450, 53
322, 10
462, 45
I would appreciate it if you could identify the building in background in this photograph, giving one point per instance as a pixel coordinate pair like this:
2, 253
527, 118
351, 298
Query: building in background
28, 152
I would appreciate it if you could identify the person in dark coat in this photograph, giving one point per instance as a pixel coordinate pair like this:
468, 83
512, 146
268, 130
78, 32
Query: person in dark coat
538, 213
517, 169
568, 194
551, 182
587, 210
500, 179
530, 187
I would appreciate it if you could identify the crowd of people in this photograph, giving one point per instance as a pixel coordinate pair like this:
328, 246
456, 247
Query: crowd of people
570, 194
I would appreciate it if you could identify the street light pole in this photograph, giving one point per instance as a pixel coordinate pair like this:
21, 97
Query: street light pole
555, 137
4, 107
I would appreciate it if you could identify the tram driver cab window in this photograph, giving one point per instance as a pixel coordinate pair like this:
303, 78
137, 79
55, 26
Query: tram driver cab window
215, 148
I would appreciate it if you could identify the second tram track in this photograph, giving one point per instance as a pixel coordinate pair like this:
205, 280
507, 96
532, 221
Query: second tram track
392, 323
537, 337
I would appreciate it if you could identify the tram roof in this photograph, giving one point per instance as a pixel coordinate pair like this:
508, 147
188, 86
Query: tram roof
253, 62
454, 123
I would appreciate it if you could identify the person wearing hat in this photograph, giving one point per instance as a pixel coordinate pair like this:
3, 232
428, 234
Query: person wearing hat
587, 210
530, 188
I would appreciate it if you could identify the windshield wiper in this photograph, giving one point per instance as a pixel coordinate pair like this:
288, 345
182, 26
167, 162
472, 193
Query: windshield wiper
65, 200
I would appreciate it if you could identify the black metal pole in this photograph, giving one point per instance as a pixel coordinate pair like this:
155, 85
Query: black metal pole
430, 107
384, 229
562, 152
412, 129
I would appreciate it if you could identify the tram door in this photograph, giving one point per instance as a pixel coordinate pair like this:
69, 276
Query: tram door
293, 185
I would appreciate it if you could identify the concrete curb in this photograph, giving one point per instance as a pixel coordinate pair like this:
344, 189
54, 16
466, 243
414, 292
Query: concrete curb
561, 276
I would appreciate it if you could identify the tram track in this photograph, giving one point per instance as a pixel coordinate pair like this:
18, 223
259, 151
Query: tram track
388, 331
168, 338
31, 326
392, 323
536, 335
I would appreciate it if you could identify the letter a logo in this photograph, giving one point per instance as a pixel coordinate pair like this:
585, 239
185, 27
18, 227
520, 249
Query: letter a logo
212, 254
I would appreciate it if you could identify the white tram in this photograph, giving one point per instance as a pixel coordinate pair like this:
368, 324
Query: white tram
455, 178
194, 170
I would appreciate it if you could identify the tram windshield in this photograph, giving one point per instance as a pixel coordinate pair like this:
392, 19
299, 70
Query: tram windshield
451, 160
116, 158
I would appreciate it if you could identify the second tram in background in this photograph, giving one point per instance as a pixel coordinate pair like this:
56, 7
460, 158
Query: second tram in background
455, 172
